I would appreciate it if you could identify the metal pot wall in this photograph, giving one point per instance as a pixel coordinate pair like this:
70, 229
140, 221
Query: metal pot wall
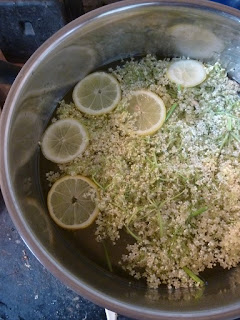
121, 30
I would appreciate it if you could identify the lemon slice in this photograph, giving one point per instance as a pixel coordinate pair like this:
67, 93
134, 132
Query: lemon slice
148, 111
96, 94
72, 202
64, 140
187, 73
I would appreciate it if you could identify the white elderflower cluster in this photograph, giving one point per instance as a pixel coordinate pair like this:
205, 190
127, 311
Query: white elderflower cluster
177, 192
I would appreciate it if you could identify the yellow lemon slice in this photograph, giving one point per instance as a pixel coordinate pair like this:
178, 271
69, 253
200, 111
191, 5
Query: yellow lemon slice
187, 73
64, 140
97, 93
147, 110
72, 202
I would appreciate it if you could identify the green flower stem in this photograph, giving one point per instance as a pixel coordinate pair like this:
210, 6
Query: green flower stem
179, 87
157, 206
132, 234
225, 140
177, 195
160, 223
193, 276
162, 203
134, 215
196, 213
171, 110
237, 138
109, 264
229, 124
224, 113
98, 184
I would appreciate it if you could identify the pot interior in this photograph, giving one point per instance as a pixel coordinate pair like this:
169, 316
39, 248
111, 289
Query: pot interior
123, 30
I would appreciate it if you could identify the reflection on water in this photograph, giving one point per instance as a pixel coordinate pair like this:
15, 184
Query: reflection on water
63, 69
195, 41
25, 132
181, 294
39, 221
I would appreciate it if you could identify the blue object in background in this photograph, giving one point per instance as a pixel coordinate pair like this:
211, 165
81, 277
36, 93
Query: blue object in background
231, 3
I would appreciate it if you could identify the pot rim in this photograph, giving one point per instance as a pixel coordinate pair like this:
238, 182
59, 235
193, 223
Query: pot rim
65, 276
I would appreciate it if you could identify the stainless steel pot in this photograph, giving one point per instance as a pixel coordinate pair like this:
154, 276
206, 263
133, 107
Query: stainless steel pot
124, 29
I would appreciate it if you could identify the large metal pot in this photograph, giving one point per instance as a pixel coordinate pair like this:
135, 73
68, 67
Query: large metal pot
116, 31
